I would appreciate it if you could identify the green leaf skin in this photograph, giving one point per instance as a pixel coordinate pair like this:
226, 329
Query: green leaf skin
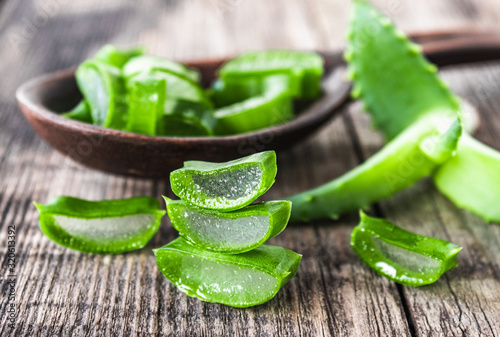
230, 232
412, 155
104, 90
102, 227
146, 101
471, 179
390, 74
225, 186
272, 107
304, 69
184, 118
80, 113
152, 64
241, 280
401, 256
117, 57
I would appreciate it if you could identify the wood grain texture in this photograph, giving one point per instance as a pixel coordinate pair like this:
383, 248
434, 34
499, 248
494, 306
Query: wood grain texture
65, 293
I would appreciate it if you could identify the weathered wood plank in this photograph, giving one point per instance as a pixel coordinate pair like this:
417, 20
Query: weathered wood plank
66, 293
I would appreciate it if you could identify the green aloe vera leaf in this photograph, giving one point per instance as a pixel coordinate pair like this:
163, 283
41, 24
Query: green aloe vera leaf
225, 186
471, 179
397, 86
390, 74
117, 57
146, 100
103, 227
402, 256
413, 154
229, 232
304, 69
185, 118
153, 63
81, 113
104, 91
240, 280
272, 107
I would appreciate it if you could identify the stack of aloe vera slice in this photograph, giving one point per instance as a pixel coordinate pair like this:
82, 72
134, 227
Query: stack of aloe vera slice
219, 256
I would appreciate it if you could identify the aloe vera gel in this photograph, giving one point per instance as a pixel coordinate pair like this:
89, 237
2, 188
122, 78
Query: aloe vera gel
219, 256
401, 256
104, 227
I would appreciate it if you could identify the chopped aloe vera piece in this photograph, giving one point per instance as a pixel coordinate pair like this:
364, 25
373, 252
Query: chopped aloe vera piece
179, 88
146, 99
401, 256
117, 57
104, 91
152, 63
185, 118
390, 74
471, 179
413, 154
272, 107
224, 93
229, 232
80, 113
241, 280
225, 186
304, 69
104, 227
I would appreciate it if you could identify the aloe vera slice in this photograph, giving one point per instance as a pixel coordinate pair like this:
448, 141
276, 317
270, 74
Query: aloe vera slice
402, 256
225, 186
272, 107
152, 64
146, 99
179, 88
104, 227
240, 280
117, 57
471, 179
104, 91
413, 154
304, 69
80, 113
230, 232
186, 118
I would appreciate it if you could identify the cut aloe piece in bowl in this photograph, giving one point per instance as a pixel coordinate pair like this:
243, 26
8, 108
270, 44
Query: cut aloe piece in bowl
304, 69
103, 89
153, 63
240, 280
117, 57
146, 101
402, 256
229, 232
104, 227
225, 186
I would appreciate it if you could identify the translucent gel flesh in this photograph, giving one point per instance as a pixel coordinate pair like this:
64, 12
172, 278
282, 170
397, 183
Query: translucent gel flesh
402, 258
219, 233
227, 188
114, 228
225, 283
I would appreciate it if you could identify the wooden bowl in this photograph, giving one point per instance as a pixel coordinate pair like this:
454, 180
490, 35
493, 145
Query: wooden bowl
42, 99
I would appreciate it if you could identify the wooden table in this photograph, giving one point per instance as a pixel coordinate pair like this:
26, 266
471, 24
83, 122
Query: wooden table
60, 292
